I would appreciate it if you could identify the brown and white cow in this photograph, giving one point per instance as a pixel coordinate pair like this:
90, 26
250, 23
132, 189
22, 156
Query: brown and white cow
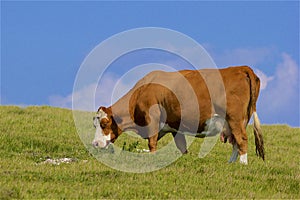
185, 101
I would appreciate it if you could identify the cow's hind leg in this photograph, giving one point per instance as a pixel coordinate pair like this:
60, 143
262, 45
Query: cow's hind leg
234, 154
180, 142
240, 142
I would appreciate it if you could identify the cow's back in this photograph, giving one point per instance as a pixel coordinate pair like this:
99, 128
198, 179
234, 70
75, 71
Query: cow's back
187, 93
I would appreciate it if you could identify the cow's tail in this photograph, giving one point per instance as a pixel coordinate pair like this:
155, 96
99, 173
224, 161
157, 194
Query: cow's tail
259, 142
254, 89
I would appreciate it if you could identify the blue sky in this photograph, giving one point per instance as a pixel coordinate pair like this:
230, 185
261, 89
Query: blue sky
44, 43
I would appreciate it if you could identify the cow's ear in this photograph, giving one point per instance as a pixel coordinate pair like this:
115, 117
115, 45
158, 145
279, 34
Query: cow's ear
106, 110
101, 108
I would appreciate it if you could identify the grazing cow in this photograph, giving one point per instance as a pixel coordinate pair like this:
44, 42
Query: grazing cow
187, 101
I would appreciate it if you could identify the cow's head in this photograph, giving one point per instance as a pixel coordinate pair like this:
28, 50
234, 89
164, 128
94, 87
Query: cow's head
107, 129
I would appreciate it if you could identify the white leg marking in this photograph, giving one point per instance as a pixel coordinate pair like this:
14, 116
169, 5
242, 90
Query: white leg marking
243, 159
234, 154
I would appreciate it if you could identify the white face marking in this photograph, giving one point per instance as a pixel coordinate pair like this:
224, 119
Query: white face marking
100, 139
243, 159
101, 114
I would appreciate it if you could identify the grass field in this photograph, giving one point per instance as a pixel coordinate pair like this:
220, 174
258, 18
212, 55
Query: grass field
29, 136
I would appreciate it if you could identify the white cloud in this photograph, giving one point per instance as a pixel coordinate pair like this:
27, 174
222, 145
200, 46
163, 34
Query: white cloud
60, 101
285, 83
80, 98
264, 79
280, 101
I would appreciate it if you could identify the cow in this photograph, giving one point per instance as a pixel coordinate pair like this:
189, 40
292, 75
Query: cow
186, 101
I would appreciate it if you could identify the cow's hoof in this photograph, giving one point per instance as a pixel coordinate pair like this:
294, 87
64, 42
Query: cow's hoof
243, 159
185, 152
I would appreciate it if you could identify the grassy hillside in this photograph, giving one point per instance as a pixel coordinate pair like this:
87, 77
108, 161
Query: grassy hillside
30, 136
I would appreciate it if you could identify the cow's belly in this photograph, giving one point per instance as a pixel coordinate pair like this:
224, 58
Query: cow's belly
212, 127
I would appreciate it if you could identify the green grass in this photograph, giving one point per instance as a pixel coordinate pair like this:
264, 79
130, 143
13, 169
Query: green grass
30, 136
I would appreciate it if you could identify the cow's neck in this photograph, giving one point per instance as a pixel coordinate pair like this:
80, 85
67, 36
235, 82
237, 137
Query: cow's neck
121, 112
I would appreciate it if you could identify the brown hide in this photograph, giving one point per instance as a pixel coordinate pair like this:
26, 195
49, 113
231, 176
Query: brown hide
186, 99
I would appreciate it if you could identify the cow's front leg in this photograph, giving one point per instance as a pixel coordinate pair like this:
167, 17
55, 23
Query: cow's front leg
152, 143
